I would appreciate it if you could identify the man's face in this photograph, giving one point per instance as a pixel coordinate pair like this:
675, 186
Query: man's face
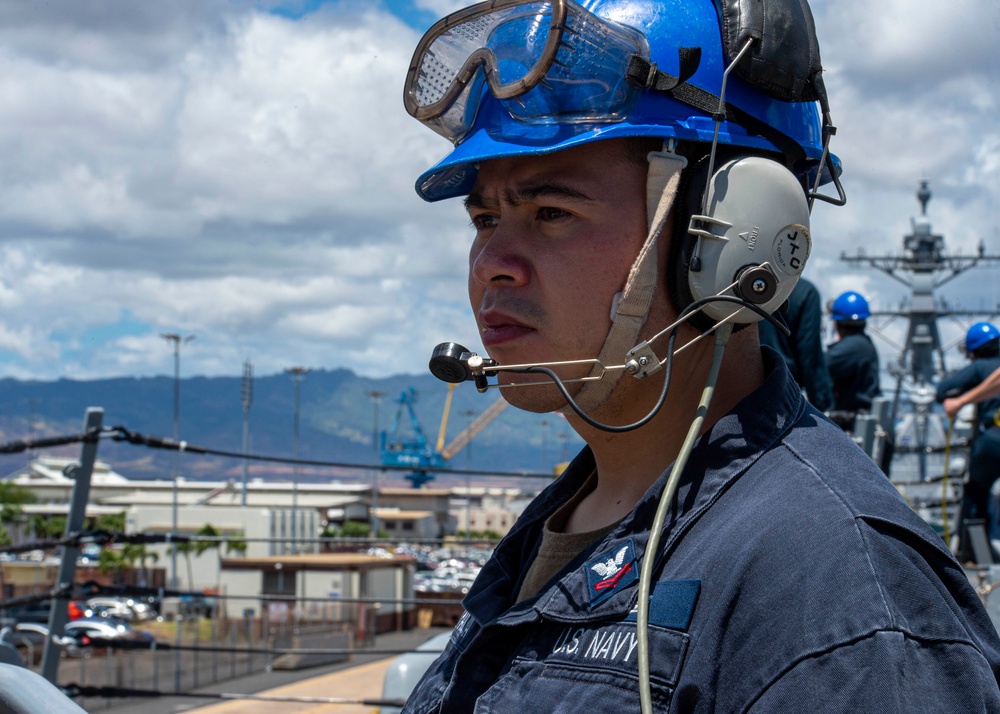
556, 236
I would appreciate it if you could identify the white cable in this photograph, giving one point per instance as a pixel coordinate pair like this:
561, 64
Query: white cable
649, 556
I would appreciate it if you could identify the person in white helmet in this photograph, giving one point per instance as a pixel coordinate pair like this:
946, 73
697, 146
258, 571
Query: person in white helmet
638, 176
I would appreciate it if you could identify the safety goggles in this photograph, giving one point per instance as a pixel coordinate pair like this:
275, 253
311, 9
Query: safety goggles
546, 61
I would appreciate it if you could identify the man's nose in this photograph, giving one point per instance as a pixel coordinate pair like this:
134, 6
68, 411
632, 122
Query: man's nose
501, 259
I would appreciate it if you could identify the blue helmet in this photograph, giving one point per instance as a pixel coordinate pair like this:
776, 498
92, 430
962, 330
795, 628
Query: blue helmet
665, 32
850, 307
979, 335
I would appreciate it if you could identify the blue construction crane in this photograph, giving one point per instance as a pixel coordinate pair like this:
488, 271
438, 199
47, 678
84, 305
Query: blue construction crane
409, 447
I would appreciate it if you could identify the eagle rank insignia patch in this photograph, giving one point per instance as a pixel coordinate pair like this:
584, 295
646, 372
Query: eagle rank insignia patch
610, 571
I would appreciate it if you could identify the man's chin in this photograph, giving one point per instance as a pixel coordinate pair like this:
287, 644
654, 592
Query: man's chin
538, 400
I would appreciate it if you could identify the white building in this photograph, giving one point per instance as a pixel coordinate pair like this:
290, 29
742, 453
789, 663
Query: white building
488, 509
367, 590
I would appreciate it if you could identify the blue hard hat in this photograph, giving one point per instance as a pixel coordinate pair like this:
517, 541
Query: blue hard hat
850, 307
668, 26
980, 334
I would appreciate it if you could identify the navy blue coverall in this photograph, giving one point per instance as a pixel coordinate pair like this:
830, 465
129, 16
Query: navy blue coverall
853, 363
984, 458
791, 577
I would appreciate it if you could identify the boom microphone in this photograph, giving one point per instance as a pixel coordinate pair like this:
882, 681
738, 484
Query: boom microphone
452, 363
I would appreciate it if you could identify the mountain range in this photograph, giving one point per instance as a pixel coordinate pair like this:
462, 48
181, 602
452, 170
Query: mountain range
336, 424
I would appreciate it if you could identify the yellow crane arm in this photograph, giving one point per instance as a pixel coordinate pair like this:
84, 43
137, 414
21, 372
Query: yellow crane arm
444, 418
481, 422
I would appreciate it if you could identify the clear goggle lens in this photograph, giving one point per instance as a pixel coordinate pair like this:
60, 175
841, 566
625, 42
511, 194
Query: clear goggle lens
547, 62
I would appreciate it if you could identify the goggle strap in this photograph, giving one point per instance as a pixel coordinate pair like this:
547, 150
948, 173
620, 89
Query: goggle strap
679, 89
644, 74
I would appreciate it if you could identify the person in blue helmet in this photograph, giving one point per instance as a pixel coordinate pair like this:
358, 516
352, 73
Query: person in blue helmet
802, 348
852, 359
982, 345
639, 176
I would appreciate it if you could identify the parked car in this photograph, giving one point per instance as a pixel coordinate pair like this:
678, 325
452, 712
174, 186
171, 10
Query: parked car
127, 609
406, 670
39, 612
80, 634
77, 638
29, 640
35, 612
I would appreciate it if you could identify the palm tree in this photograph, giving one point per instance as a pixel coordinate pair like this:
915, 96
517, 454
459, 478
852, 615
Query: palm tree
236, 544
203, 546
114, 522
12, 496
112, 560
147, 555
198, 547
137, 552
48, 527
186, 547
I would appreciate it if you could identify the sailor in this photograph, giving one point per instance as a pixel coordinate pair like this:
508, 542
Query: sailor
982, 345
852, 359
718, 545
803, 347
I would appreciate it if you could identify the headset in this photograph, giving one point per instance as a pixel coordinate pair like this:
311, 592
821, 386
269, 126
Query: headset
743, 246
746, 233
742, 240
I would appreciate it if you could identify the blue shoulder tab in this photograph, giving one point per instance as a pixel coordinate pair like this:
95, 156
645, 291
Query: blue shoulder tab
672, 604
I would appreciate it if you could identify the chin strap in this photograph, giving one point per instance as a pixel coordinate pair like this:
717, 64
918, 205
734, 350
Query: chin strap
632, 307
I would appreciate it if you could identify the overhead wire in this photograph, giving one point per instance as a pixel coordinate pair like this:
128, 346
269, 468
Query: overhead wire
121, 433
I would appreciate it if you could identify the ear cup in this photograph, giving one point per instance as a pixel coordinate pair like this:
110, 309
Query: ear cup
753, 232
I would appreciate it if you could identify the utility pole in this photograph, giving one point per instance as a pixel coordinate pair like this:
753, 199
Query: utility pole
177, 341
376, 396
247, 398
297, 374
81, 474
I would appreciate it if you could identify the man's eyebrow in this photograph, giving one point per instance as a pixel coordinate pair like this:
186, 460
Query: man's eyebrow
532, 192
475, 200
525, 194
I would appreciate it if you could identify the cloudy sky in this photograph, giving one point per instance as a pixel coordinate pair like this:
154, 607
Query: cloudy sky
242, 171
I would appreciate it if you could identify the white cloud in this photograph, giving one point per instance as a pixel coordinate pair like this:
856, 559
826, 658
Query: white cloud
441, 7
209, 168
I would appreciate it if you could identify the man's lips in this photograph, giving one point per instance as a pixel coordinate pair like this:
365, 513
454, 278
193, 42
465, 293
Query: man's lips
497, 329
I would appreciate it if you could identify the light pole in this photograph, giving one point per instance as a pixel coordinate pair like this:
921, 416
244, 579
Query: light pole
177, 341
247, 399
297, 373
545, 438
376, 396
468, 414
